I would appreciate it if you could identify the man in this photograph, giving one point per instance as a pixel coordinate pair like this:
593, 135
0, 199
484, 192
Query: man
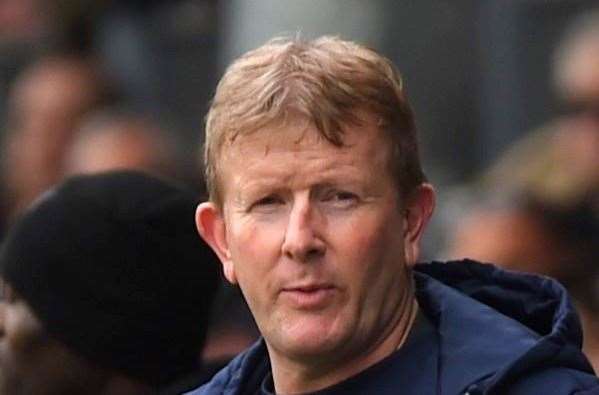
107, 290
317, 206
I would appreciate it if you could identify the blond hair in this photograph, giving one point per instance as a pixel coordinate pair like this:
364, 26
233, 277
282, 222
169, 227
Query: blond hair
325, 80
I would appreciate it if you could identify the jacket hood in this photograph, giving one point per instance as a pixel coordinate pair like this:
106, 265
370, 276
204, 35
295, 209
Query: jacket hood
536, 327
539, 303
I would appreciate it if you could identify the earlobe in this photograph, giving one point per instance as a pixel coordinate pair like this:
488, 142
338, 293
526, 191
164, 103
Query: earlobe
229, 271
419, 208
211, 226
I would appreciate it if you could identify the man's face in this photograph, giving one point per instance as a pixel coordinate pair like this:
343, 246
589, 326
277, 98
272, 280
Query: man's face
30, 361
316, 236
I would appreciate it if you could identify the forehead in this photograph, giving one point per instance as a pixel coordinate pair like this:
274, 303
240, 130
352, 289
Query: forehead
296, 152
296, 133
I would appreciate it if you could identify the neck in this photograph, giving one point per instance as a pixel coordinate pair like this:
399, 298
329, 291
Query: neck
294, 377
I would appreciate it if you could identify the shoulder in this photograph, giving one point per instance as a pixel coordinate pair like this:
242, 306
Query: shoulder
557, 381
238, 374
222, 380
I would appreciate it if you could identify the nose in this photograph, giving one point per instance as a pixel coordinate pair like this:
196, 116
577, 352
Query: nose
302, 242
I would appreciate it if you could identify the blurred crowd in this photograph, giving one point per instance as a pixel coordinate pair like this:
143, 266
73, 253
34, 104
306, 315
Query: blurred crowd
536, 209
71, 107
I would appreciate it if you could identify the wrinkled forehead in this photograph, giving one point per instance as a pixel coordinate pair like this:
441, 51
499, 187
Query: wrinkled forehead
297, 133
276, 145
277, 137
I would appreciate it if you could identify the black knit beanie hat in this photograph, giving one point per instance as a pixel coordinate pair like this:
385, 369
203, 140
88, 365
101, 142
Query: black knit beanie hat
114, 268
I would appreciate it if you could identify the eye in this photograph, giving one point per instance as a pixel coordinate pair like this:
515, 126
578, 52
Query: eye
268, 200
342, 195
267, 203
341, 198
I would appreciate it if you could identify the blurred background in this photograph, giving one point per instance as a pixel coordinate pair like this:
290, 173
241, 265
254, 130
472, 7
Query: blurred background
506, 95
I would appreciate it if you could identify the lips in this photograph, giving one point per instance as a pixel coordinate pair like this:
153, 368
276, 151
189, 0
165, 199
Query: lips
309, 296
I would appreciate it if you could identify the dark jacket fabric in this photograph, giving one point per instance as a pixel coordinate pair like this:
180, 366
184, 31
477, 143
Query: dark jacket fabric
492, 332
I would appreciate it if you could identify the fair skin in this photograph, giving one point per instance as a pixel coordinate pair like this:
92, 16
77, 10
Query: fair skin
320, 247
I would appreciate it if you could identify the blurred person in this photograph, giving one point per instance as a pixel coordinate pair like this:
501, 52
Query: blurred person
576, 139
111, 139
317, 206
24, 20
576, 63
232, 330
562, 156
107, 289
542, 209
516, 237
45, 104
531, 236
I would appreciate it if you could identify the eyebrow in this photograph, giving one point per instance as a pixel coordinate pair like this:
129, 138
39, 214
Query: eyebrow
258, 188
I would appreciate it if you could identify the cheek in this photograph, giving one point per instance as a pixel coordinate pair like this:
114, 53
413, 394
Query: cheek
370, 237
370, 252
255, 249
248, 240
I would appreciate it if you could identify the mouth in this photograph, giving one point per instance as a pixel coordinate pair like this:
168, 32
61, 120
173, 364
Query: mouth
310, 296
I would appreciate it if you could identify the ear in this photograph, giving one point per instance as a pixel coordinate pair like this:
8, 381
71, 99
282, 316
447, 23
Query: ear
211, 226
418, 209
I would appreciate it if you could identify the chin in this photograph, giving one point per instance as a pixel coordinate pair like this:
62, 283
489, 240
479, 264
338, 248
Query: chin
310, 352
313, 342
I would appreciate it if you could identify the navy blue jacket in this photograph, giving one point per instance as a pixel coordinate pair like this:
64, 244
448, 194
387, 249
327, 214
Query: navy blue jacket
495, 332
